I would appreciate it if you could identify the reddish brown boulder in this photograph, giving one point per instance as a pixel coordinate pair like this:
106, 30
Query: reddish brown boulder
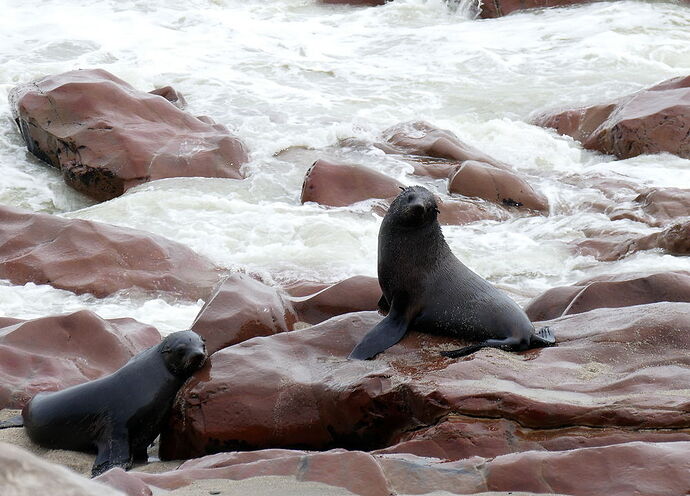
498, 8
242, 308
172, 95
106, 137
674, 240
619, 470
338, 185
653, 120
496, 185
356, 3
92, 257
52, 353
423, 139
610, 291
619, 371
316, 302
655, 206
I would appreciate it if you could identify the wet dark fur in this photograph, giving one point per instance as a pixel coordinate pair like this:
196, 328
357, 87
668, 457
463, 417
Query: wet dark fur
119, 415
426, 288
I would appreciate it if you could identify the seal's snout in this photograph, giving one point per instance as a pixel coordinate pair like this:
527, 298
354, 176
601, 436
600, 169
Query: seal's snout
196, 359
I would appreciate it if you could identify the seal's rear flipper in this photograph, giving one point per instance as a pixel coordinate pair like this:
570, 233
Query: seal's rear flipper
508, 344
542, 337
16, 421
467, 350
388, 332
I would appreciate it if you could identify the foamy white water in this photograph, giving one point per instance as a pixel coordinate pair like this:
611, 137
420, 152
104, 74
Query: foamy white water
293, 73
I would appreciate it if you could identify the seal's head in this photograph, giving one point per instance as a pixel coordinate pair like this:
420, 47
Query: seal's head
184, 353
415, 206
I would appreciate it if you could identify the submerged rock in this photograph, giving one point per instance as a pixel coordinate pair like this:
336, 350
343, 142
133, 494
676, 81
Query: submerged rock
91, 257
606, 247
654, 120
470, 172
499, 8
52, 353
339, 185
106, 137
621, 372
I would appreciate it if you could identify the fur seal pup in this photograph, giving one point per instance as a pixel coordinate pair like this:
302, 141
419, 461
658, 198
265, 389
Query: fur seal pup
118, 415
426, 288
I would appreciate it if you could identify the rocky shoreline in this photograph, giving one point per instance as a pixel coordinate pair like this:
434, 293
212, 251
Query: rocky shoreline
604, 411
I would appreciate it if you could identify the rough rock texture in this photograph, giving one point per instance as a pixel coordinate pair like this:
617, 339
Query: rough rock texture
614, 372
470, 172
655, 206
653, 120
316, 302
498, 8
92, 257
339, 185
610, 291
241, 308
619, 470
52, 353
106, 137
423, 139
674, 240
496, 185
24, 474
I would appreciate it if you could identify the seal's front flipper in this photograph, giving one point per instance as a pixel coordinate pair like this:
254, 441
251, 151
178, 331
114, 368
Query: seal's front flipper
16, 421
542, 337
508, 344
388, 332
113, 451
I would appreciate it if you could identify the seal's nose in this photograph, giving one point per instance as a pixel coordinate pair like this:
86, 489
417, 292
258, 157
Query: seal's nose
197, 359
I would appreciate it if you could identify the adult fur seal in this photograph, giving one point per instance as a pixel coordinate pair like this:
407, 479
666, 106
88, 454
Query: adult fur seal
118, 415
426, 288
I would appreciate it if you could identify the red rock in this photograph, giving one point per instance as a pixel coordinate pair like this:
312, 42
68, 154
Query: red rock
674, 240
622, 370
653, 120
619, 470
107, 137
25, 474
315, 302
423, 139
499, 8
610, 291
52, 353
476, 179
356, 3
339, 185
92, 257
242, 308
172, 95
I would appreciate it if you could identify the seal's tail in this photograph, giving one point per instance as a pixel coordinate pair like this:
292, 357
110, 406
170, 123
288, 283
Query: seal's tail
542, 337
16, 421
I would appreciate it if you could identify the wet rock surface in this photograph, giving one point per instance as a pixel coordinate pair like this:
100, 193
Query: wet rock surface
607, 246
52, 353
498, 8
615, 376
470, 172
91, 257
654, 120
316, 302
106, 137
241, 308
610, 291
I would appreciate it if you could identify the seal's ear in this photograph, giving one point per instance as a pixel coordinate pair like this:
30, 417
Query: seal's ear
402, 188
